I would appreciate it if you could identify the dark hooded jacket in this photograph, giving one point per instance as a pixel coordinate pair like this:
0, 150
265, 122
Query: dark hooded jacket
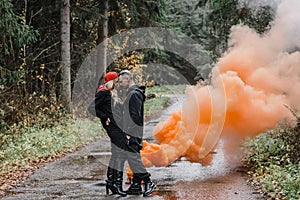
133, 113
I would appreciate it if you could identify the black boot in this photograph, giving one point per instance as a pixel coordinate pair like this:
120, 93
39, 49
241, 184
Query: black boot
118, 184
135, 188
149, 187
110, 180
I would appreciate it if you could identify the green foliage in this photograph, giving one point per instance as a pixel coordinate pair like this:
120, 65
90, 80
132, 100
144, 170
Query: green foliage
13, 31
7, 77
271, 157
224, 14
126, 15
183, 17
32, 110
135, 13
291, 137
281, 182
268, 150
222, 19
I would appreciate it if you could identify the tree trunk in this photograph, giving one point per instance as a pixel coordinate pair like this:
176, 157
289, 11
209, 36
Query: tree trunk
102, 40
65, 64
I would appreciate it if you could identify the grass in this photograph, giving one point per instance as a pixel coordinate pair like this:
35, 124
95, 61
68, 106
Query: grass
32, 143
155, 105
24, 149
166, 89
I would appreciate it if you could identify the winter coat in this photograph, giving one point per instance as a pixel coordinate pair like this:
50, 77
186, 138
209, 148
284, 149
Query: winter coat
133, 114
105, 107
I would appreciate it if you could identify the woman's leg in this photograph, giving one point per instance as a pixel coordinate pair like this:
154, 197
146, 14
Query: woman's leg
116, 166
111, 173
119, 167
118, 158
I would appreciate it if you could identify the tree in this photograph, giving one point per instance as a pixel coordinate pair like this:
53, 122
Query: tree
209, 22
102, 39
15, 34
65, 65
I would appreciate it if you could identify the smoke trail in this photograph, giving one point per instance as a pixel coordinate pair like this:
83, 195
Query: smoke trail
257, 75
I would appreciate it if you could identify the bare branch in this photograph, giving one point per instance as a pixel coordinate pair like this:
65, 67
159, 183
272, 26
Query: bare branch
34, 14
44, 51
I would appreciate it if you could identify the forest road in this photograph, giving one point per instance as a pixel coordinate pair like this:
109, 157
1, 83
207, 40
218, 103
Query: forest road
82, 174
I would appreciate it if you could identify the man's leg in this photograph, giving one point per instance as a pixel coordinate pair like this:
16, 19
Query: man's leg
137, 169
139, 173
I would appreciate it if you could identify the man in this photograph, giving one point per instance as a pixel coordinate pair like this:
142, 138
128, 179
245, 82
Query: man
133, 122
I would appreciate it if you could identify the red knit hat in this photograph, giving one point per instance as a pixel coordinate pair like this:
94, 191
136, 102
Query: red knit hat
110, 76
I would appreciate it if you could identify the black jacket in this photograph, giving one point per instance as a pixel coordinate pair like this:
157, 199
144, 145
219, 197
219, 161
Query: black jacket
104, 107
133, 112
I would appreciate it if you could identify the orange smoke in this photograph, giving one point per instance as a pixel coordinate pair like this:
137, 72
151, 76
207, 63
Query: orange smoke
250, 85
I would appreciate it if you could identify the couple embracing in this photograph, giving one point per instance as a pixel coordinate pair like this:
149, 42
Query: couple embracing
123, 122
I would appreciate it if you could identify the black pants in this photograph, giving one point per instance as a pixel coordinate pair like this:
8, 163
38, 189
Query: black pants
118, 148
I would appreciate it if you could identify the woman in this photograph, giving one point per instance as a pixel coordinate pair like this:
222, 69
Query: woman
107, 110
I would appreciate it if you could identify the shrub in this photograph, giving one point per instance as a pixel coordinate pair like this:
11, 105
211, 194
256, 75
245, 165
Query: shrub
273, 165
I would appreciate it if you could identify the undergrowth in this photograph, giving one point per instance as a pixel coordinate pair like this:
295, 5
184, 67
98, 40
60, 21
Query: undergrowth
274, 160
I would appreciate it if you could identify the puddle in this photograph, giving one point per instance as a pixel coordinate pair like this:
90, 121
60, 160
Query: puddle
165, 192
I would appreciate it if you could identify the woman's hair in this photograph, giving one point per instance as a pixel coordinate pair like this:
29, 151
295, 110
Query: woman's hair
110, 84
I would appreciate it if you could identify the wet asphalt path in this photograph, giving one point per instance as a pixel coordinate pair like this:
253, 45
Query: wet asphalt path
81, 175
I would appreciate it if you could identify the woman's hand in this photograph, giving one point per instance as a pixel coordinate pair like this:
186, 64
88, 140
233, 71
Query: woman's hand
107, 122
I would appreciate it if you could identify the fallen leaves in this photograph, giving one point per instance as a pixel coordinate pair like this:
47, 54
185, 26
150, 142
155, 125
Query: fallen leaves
12, 175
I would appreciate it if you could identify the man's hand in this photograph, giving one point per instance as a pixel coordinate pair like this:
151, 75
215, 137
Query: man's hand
128, 139
107, 122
